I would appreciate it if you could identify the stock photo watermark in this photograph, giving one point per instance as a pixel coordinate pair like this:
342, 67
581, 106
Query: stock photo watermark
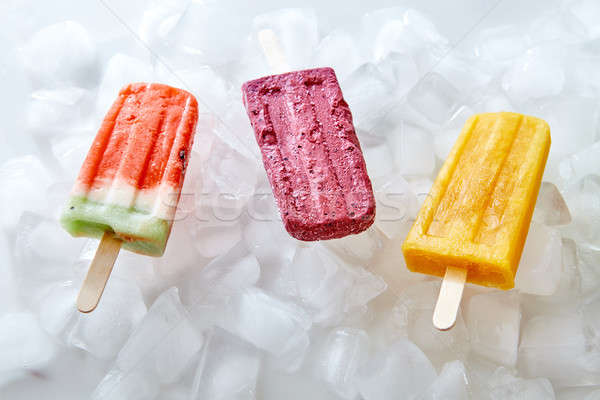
262, 207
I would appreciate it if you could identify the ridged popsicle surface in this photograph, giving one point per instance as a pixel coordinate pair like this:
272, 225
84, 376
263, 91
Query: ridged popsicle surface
478, 212
131, 179
311, 153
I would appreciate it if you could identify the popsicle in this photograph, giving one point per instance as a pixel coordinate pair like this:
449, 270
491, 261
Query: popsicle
311, 153
129, 185
474, 223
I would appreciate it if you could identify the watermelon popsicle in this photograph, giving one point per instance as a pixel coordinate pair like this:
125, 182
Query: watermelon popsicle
310, 152
474, 223
129, 185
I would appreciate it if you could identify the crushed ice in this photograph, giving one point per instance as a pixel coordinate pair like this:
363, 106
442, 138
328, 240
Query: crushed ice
238, 309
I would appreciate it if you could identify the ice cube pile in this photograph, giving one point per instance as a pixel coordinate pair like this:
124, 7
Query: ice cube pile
236, 308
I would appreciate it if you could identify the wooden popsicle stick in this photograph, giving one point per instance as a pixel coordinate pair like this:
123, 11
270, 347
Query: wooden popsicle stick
272, 50
446, 308
99, 272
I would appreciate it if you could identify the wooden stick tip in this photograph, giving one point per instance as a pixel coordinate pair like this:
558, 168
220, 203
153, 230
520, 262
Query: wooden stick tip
446, 308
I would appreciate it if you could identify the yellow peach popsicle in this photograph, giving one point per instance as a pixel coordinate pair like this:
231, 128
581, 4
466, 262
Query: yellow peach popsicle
474, 223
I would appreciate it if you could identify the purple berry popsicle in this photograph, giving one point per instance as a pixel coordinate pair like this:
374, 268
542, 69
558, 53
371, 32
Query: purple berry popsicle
311, 154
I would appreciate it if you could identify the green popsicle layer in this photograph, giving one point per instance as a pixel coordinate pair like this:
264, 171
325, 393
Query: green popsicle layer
141, 232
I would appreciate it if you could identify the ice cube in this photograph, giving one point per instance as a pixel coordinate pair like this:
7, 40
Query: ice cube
343, 352
70, 152
463, 73
458, 119
366, 287
500, 44
421, 188
401, 368
8, 293
390, 265
21, 180
595, 395
234, 129
180, 254
379, 160
588, 12
43, 255
413, 150
443, 142
239, 274
252, 62
435, 98
192, 37
317, 278
587, 267
451, 384
296, 30
550, 208
202, 81
164, 342
590, 310
585, 76
411, 318
359, 248
222, 277
568, 291
554, 346
57, 195
403, 30
567, 114
494, 101
493, 321
537, 73
61, 54
541, 266
505, 386
228, 369
229, 173
293, 359
260, 236
339, 51
480, 372
42, 240
120, 70
58, 311
71, 374
139, 271
158, 20
262, 207
580, 164
215, 240
326, 286
400, 70
53, 113
396, 205
570, 284
23, 343
274, 384
583, 199
274, 260
104, 332
130, 385
177, 392
270, 324
555, 25
16, 89
367, 93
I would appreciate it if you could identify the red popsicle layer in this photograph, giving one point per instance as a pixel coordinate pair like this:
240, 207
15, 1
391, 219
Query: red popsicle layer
144, 139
